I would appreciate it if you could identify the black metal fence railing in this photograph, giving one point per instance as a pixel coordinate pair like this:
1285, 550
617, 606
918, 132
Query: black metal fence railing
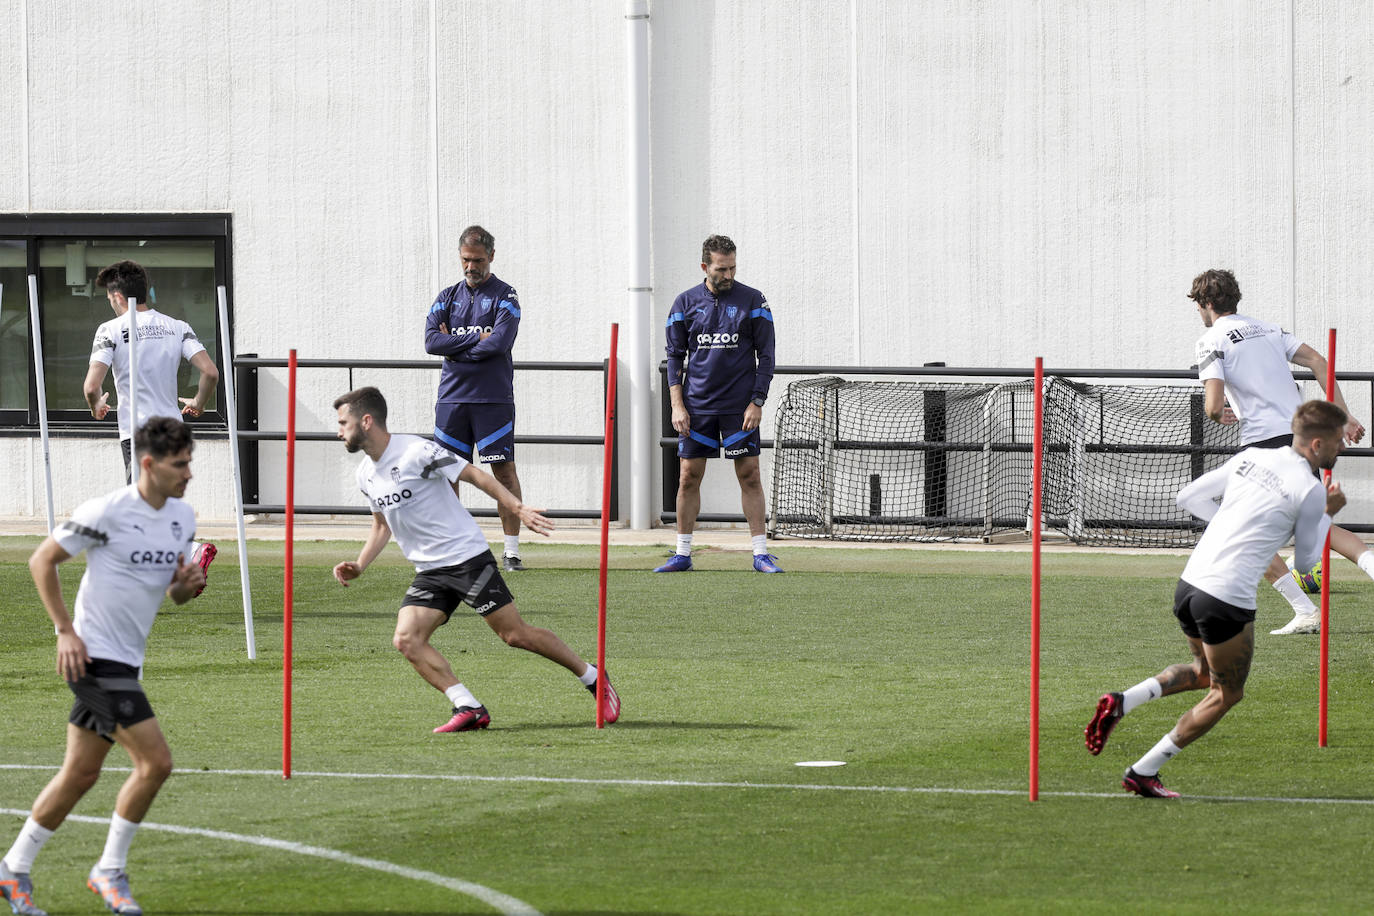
246, 368
668, 436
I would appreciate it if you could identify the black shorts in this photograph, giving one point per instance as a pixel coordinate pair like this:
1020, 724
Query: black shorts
1207, 618
127, 447
710, 433
1272, 442
107, 696
476, 582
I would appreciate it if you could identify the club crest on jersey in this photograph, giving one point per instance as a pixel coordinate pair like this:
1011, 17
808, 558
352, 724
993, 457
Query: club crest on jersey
176, 530
731, 311
396, 475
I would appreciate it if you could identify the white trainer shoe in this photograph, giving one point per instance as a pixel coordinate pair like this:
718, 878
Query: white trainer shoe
1301, 623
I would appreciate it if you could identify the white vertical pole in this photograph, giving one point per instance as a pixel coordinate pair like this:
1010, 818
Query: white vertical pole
42, 392
133, 386
856, 325
436, 256
227, 348
643, 438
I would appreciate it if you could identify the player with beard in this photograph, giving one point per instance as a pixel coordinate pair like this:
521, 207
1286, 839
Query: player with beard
412, 487
1266, 496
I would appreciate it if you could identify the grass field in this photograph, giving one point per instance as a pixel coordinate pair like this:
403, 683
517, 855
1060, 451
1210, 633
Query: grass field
911, 666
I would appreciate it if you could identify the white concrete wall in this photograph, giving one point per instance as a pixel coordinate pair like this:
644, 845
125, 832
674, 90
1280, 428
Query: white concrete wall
1034, 179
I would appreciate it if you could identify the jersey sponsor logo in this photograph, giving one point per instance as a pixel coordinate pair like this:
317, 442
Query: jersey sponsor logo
153, 557
471, 329
1236, 335
147, 332
718, 339
391, 499
1260, 476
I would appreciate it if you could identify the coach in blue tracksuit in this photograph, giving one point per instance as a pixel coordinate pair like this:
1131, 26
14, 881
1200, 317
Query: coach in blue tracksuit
473, 326
720, 364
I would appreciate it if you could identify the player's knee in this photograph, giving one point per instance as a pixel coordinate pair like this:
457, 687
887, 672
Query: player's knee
81, 778
748, 475
406, 643
518, 637
1230, 696
156, 769
689, 478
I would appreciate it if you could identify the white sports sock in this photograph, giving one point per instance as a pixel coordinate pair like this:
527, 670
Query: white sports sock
26, 845
1293, 594
461, 697
760, 542
588, 677
1366, 563
1143, 692
117, 844
684, 545
512, 548
1158, 755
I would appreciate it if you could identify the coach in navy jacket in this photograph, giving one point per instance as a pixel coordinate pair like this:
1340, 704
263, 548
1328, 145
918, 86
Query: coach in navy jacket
720, 364
473, 325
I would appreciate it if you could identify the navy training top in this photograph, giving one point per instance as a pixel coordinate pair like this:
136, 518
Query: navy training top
720, 348
475, 371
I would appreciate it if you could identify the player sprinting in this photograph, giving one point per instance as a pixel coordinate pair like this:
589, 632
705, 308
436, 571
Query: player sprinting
163, 342
1247, 361
136, 541
720, 365
1270, 495
412, 487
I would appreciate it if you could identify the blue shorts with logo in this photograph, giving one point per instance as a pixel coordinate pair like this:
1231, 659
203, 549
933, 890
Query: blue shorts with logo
710, 433
489, 427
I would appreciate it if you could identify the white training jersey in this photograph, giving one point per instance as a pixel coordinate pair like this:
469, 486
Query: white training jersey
1270, 495
1252, 357
163, 343
131, 557
411, 486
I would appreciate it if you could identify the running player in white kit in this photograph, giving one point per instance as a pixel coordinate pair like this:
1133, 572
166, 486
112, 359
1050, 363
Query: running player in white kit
1271, 495
412, 486
1246, 361
137, 542
163, 342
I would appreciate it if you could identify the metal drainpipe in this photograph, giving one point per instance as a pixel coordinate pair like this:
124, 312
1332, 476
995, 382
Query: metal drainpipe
643, 437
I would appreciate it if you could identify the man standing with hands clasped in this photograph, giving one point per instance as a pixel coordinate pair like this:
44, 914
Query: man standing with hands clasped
720, 364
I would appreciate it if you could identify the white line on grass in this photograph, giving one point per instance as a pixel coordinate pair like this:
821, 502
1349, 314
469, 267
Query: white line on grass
493, 898
694, 784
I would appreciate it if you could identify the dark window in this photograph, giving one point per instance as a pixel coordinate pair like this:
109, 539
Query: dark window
186, 257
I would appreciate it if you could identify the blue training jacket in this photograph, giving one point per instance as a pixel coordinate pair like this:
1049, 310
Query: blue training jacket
475, 371
720, 349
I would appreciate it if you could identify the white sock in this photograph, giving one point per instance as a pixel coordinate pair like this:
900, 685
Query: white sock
1158, 755
461, 697
760, 542
588, 677
117, 844
1366, 563
26, 845
1292, 593
512, 548
1143, 692
684, 545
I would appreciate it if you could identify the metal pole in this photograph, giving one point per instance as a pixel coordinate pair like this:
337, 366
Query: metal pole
37, 335
133, 386
231, 408
640, 326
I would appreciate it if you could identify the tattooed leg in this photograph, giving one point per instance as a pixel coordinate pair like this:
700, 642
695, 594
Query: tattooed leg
1230, 666
1178, 678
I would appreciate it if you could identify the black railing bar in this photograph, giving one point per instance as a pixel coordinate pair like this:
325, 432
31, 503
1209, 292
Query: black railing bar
254, 362
280, 436
268, 509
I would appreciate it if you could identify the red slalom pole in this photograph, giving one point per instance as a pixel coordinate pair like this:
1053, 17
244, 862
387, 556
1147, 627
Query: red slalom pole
287, 573
1326, 566
605, 532
1036, 453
